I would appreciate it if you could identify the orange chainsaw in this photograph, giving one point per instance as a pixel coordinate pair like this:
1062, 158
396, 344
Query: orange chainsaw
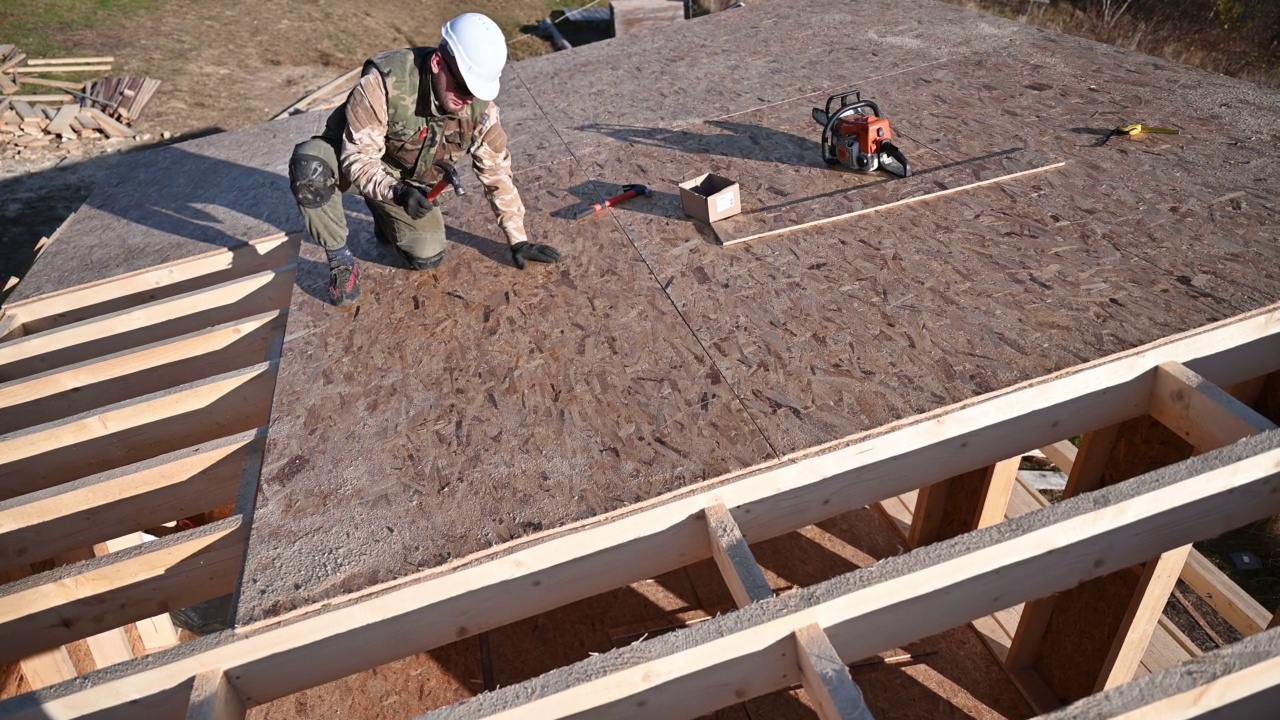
855, 135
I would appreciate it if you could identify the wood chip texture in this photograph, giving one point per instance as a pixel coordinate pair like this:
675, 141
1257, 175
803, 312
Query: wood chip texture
462, 408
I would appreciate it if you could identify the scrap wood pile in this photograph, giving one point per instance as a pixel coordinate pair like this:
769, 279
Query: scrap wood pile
65, 111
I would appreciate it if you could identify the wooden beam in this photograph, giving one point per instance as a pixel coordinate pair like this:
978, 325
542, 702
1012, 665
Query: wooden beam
1236, 682
92, 68
725, 240
733, 556
153, 322
1062, 453
965, 502
906, 597
37, 62
1236, 606
1200, 412
46, 668
97, 383
113, 504
560, 566
214, 698
74, 602
125, 292
118, 435
1140, 620
1091, 461
826, 679
156, 632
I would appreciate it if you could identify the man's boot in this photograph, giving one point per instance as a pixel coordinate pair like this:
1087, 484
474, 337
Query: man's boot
344, 281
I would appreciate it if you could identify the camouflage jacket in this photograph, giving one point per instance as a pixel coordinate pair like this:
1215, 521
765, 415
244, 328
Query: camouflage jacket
392, 128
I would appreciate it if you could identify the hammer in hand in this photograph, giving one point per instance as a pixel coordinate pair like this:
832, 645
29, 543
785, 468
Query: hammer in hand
628, 192
450, 178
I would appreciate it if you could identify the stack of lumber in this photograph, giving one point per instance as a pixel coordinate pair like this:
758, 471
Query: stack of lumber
104, 107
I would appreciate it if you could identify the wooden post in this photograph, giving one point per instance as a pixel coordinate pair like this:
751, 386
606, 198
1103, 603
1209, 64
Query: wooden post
214, 698
1092, 637
733, 556
835, 696
968, 501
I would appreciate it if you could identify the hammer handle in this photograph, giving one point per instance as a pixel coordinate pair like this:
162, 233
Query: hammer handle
438, 188
598, 207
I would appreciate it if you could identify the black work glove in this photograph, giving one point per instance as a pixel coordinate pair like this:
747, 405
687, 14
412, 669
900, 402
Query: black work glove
413, 200
522, 252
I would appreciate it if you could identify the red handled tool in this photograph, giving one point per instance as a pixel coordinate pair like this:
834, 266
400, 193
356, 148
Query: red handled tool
628, 192
450, 178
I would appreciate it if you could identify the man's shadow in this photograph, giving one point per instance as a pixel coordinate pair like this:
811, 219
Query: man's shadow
741, 140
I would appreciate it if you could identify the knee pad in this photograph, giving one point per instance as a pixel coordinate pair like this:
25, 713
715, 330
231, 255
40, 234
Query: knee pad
311, 180
419, 263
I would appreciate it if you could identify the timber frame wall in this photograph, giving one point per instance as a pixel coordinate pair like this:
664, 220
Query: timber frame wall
144, 399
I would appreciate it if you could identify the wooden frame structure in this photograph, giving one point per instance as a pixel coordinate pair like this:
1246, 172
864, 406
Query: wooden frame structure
173, 369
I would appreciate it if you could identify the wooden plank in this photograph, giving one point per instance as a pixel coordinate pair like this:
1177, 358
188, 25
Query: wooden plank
1199, 411
48, 99
834, 694
25, 111
83, 599
733, 556
111, 505
153, 322
37, 62
49, 455
1237, 682
137, 288
965, 502
631, 16
47, 668
63, 392
12, 61
725, 240
1144, 611
61, 122
42, 69
48, 82
7, 86
109, 124
1091, 461
1061, 453
156, 632
346, 78
1236, 606
554, 568
214, 698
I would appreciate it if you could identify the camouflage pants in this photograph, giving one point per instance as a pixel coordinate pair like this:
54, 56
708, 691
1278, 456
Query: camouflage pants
318, 186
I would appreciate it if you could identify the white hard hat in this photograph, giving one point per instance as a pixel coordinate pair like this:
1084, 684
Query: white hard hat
480, 49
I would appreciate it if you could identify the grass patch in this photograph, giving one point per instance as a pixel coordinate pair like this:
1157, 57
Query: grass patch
39, 27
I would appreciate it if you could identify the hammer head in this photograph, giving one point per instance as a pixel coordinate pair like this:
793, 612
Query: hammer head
451, 174
638, 189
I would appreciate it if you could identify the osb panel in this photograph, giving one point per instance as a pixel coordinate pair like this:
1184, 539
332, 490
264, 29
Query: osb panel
844, 327
457, 409
177, 202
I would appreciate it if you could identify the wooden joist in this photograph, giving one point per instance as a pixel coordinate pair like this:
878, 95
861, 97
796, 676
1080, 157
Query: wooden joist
74, 602
733, 556
214, 698
104, 507
49, 455
98, 382
1120, 526
160, 320
1237, 682
826, 678
968, 501
124, 292
906, 597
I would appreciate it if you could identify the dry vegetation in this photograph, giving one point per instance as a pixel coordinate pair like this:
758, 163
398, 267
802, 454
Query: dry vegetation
1239, 38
